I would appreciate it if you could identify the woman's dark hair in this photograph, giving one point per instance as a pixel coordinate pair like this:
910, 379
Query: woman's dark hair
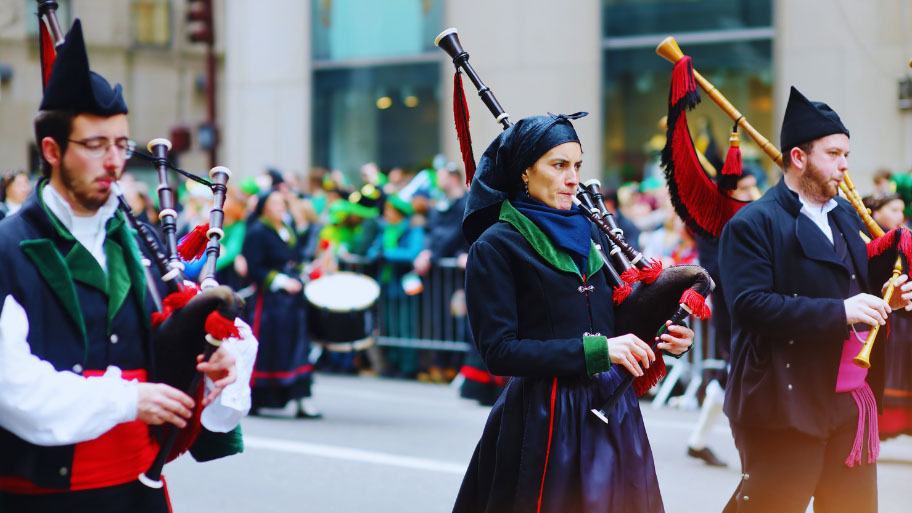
7, 179
56, 124
878, 201
260, 205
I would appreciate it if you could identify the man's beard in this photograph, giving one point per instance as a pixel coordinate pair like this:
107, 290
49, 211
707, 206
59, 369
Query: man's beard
815, 186
84, 199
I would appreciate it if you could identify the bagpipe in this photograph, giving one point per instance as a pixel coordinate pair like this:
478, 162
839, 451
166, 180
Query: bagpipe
706, 209
190, 320
646, 296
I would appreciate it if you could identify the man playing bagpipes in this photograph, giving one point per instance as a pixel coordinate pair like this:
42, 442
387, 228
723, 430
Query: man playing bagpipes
796, 276
75, 335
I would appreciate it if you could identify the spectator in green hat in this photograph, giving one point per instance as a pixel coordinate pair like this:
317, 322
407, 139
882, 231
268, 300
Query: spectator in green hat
397, 245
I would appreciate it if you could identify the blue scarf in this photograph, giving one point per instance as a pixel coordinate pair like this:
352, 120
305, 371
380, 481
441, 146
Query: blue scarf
567, 229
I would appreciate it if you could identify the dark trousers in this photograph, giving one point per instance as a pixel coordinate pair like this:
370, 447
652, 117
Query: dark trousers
783, 469
133, 497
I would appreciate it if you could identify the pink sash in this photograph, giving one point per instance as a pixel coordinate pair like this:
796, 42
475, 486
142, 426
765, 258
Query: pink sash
851, 378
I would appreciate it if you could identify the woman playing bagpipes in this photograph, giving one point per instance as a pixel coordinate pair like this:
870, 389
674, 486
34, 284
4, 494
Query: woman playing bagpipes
541, 310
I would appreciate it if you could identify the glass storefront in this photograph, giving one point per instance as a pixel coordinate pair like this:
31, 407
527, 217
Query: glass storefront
385, 114
636, 80
375, 91
636, 17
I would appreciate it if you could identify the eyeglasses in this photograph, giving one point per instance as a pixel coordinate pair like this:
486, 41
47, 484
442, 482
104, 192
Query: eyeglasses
98, 147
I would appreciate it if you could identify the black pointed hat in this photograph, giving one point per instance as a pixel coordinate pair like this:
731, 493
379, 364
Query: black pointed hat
72, 86
805, 121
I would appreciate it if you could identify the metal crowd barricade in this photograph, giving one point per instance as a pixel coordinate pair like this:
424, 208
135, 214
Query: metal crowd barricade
427, 321
422, 321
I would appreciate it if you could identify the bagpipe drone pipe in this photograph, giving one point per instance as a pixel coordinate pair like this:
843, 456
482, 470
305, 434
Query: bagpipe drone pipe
645, 294
705, 208
190, 320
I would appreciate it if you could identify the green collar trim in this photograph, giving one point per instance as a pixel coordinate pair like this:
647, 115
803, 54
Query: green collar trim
53, 268
61, 229
543, 245
125, 272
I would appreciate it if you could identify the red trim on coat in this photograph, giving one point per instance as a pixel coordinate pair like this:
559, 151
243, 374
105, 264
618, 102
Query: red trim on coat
167, 495
304, 369
541, 490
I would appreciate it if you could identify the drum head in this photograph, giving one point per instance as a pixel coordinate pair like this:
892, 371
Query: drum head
343, 292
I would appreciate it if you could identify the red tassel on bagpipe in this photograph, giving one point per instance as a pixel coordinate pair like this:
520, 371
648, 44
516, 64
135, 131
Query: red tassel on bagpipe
630, 276
461, 115
193, 244
650, 377
696, 303
905, 244
683, 84
173, 301
652, 272
47, 52
886, 241
732, 166
621, 293
877, 246
220, 328
695, 197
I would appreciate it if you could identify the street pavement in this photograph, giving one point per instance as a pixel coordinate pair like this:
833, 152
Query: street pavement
402, 446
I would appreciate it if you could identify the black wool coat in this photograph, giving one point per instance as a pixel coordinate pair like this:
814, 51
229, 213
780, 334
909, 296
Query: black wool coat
785, 287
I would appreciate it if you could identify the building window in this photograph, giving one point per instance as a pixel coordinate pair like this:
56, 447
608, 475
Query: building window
375, 90
150, 22
355, 29
386, 114
636, 17
731, 45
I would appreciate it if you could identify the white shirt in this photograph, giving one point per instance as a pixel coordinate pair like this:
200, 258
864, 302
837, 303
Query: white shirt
45, 406
89, 231
819, 215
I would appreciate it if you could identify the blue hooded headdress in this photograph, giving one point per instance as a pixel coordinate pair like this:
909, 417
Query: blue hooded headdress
500, 167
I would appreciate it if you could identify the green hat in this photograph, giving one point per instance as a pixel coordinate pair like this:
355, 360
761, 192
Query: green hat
364, 203
902, 184
341, 209
249, 186
401, 205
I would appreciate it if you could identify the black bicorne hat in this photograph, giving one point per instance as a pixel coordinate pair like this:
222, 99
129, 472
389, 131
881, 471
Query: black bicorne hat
805, 121
502, 164
72, 86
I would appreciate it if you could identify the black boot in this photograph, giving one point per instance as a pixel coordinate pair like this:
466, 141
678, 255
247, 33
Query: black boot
706, 455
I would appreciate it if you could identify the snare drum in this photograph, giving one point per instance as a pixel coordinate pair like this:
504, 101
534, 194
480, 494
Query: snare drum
340, 313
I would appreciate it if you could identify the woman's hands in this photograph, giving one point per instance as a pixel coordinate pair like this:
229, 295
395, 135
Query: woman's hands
677, 339
628, 350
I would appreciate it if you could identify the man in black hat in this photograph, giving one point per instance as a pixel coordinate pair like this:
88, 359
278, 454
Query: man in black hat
75, 407
795, 273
